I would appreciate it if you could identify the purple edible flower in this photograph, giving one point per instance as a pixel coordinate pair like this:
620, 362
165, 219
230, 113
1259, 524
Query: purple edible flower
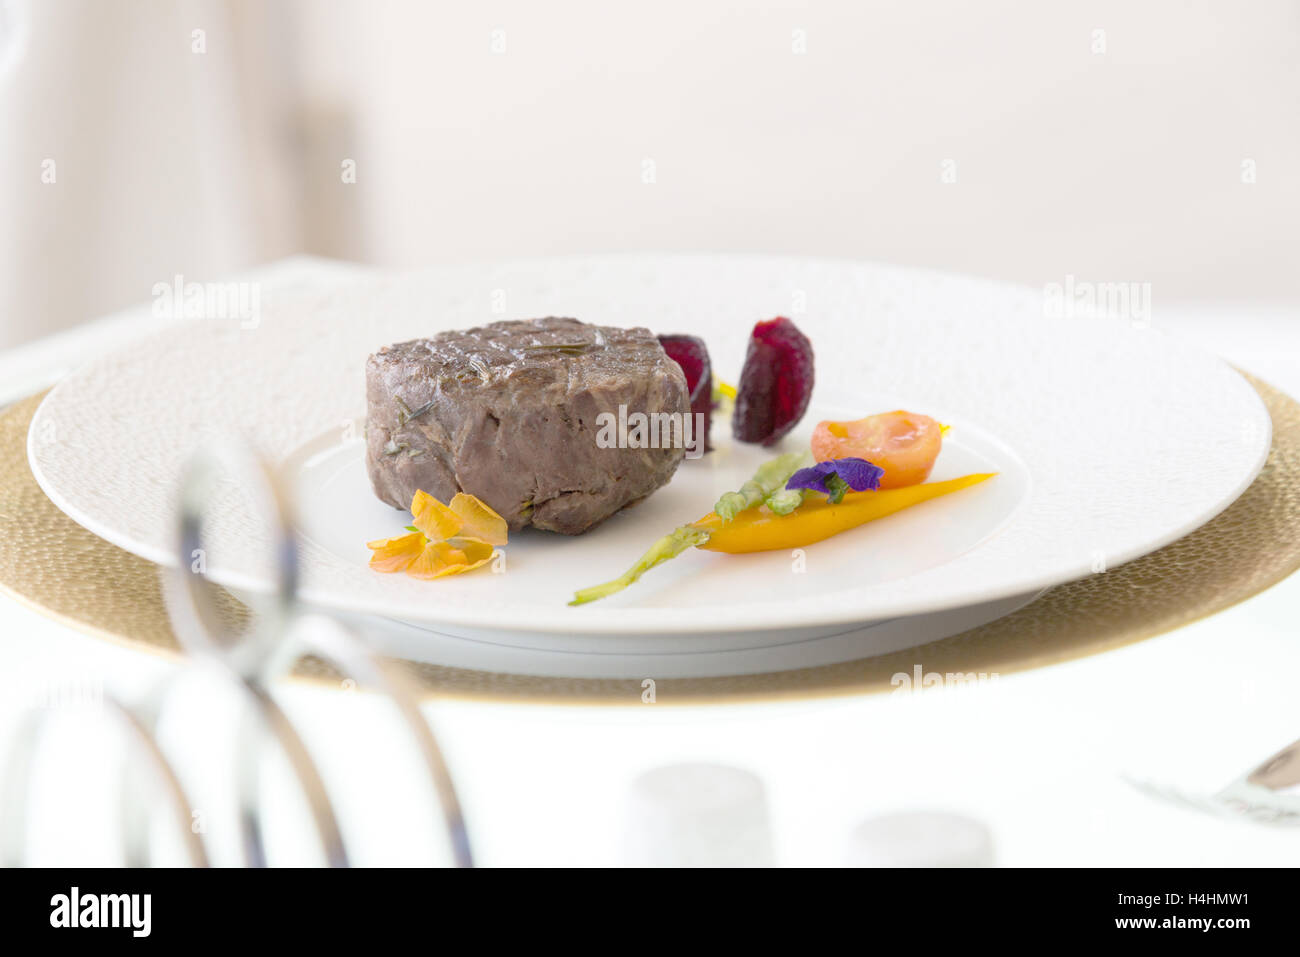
836, 476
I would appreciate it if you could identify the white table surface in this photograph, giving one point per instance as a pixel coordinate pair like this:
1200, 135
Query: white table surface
1039, 756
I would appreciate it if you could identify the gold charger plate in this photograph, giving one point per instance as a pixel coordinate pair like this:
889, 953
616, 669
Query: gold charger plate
50, 563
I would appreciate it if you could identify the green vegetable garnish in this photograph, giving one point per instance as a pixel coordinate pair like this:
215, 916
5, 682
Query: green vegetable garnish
785, 501
769, 479
670, 546
767, 484
835, 489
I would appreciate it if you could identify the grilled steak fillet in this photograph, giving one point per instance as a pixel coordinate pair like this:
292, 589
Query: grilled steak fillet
508, 412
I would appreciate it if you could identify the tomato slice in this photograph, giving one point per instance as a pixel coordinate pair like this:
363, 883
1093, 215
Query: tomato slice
904, 444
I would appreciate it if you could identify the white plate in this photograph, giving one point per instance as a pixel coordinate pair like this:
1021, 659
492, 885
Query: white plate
1111, 440
669, 655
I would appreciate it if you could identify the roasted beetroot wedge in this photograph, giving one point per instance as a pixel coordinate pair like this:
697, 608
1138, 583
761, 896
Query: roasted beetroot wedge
775, 384
692, 355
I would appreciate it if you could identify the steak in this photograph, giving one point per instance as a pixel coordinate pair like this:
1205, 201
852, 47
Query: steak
509, 411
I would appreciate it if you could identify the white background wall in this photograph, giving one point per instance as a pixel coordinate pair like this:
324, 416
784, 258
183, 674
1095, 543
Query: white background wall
1112, 156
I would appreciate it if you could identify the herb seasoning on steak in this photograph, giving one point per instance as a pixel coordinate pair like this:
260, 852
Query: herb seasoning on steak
508, 412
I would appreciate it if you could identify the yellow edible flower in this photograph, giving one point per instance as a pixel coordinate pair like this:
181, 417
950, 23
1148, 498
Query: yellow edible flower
451, 539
